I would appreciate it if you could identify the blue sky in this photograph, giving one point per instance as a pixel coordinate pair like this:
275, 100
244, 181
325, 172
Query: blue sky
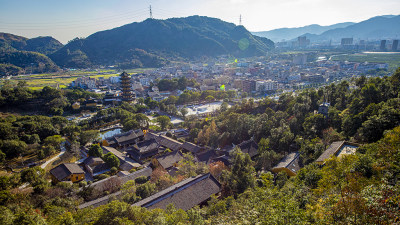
65, 20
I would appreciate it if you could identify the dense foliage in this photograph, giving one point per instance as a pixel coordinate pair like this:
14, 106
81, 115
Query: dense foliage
33, 62
27, 54
50, 100
360, 188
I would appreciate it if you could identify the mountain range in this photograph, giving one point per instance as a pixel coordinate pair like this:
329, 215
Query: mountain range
151, 43
291, 33
375, 28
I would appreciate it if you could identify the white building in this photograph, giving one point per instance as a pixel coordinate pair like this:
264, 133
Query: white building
266, 85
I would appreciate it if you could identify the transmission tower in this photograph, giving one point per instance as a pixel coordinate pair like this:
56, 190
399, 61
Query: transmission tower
240, 19
151, 13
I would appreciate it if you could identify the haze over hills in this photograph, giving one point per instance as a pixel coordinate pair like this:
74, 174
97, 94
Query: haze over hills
291, 33
379, 27
148, 43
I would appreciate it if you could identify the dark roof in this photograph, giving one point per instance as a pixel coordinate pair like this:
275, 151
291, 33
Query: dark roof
185, 194
206, 157
118, 154
332, 150
143, 172
146, 146
226, 159
165, 141
103, 167
143, 150
168, 160
127, 137
100, 201
290, 161
250, 147
102, 184
190, 147
64, 170
92, 160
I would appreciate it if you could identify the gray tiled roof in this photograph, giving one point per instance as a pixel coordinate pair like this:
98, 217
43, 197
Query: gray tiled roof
146, 146
99, 186
124, 138
168, 160
332, 149
250, 147
191, 147
185, 194
290, 161
165, 141
206, 157
92, 160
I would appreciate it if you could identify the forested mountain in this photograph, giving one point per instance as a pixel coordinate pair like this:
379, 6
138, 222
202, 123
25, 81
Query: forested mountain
44, 45
19, 53
33, 62
291, 33
147, 43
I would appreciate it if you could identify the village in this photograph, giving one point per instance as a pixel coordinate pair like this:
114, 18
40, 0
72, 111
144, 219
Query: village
144, 154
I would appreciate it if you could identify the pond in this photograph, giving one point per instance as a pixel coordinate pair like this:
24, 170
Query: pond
110, 133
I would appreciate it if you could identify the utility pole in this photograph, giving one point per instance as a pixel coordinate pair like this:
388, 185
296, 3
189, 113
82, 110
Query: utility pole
240, 20
151, 13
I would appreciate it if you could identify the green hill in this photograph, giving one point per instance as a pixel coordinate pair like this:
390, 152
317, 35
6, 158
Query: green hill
44, 45
148, 43
19, 53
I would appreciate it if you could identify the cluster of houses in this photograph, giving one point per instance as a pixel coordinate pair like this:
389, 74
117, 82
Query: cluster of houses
282, 71
148, 150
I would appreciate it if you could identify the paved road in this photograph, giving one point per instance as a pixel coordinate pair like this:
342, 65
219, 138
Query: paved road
62, 147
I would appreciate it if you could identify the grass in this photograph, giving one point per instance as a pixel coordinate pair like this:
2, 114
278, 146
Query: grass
67, 157
393, 60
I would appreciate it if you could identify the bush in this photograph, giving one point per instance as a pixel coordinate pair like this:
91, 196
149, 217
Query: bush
101, 177
141, 180
113, 170
145, 190
82, 183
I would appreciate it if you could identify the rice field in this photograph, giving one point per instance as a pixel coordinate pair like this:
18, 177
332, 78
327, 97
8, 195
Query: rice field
393, 60
63, 80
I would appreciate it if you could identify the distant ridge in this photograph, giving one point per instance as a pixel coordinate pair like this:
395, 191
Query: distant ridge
291, 33
375, 28
379, 27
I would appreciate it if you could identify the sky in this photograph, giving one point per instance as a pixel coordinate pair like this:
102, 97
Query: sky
67, 19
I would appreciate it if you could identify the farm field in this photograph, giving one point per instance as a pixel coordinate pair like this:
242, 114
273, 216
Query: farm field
392, 59
62, 80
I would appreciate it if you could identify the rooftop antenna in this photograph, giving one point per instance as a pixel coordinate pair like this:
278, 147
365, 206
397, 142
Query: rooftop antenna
240, 20
151, 13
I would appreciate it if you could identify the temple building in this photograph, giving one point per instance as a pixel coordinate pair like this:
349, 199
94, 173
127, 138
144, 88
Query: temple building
126, 86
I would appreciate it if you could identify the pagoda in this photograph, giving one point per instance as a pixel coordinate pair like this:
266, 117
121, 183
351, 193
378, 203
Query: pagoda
126, 86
